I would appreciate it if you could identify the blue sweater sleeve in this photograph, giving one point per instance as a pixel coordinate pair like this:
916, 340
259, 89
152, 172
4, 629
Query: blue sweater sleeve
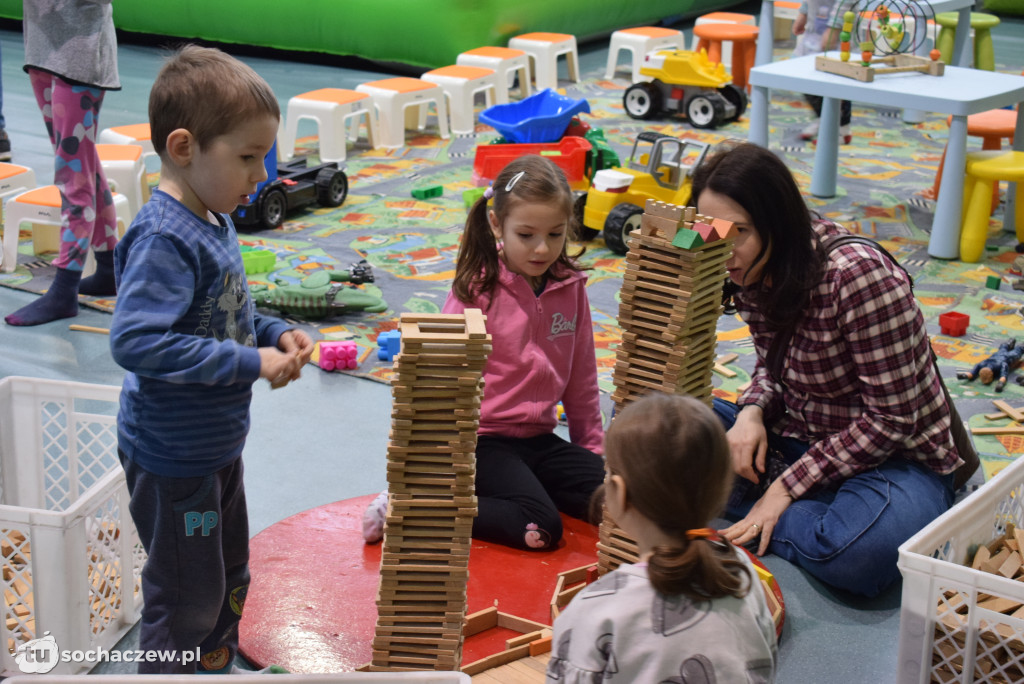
148, 332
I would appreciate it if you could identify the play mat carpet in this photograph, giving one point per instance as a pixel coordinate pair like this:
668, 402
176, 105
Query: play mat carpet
412, 243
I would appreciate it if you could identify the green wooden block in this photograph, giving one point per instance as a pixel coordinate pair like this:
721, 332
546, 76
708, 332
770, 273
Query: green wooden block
469, 197
992, 282
427, 191
687, 239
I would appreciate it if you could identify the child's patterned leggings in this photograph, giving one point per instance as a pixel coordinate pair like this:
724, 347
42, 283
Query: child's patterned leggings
87, 212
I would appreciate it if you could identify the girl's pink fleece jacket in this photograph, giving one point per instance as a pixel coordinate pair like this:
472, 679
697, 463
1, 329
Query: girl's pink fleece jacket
543, 353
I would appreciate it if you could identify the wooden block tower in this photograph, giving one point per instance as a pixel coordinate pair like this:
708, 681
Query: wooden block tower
671, 299
431, 470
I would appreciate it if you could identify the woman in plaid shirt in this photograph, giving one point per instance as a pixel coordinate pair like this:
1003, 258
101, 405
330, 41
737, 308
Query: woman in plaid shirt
857, 427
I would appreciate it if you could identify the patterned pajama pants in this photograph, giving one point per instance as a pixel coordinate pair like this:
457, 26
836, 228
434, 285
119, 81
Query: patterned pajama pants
87, 211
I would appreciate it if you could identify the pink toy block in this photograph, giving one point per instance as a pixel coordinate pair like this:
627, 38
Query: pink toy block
707, 233
338, 355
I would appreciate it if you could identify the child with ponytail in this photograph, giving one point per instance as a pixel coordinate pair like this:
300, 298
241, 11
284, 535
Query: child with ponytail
692, 608
514, 265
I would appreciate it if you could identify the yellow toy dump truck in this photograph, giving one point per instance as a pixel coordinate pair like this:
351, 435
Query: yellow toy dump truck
687, 83
660, 167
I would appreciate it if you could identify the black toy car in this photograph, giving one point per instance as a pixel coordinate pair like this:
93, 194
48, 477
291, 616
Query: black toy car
294, 185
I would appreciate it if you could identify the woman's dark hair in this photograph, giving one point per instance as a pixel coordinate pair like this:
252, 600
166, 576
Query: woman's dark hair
673, 457
530, 178
757, 180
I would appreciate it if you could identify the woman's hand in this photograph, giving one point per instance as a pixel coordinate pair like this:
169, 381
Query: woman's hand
761, 519
748, 443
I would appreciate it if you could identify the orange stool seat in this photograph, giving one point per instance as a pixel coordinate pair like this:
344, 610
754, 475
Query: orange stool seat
984, 169
744, 40
722, 18
991, 126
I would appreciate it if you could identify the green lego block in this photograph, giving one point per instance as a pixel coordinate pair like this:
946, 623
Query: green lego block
427, 191
992, 282
687, 239
258, 260
469, 197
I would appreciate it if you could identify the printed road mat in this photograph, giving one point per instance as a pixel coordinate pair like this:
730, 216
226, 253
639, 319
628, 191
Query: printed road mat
412, 243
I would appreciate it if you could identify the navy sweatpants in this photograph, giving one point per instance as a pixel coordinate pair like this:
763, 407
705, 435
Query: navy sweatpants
196, 532
522, 484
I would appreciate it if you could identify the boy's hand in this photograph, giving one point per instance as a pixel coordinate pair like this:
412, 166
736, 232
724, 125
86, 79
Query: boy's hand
799, 24
278, 367
296, 341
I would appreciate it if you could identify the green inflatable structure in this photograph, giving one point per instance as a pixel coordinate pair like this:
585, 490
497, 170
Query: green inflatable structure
421, 33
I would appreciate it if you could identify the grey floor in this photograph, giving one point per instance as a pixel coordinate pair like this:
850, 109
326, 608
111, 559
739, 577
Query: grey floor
341, 422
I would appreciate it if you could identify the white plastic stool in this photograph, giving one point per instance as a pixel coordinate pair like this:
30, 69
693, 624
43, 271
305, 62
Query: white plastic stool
460, 85
544, 50
41, 207
784, 13
639, 41
393, 98
133, 134
125, 171
506, 63
331, 108
14, 179
723, 18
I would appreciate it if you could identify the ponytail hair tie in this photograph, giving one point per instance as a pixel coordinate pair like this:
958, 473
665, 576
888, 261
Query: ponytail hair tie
702, 533
489, 192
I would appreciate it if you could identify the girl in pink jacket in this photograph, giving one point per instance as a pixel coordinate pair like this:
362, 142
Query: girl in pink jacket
513, 264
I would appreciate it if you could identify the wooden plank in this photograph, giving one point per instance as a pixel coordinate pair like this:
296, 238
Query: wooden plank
1014, 413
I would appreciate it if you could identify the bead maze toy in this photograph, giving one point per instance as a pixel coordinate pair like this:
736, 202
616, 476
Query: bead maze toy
437, 387
882, 34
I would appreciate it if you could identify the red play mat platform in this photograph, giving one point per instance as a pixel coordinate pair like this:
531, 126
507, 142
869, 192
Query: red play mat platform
311, 605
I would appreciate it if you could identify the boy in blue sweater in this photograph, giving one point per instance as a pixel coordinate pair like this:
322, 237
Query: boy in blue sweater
186, 330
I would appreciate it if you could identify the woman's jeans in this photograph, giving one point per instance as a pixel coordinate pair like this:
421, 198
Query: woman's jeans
848, 537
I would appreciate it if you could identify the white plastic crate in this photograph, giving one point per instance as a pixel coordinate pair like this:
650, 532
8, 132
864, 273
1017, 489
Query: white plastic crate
429, 677
72, 559
938, 642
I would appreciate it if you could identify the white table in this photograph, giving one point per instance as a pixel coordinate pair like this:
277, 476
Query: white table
960, 92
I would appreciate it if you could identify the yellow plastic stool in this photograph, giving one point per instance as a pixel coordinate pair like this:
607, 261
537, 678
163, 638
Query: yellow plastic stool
983, 170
